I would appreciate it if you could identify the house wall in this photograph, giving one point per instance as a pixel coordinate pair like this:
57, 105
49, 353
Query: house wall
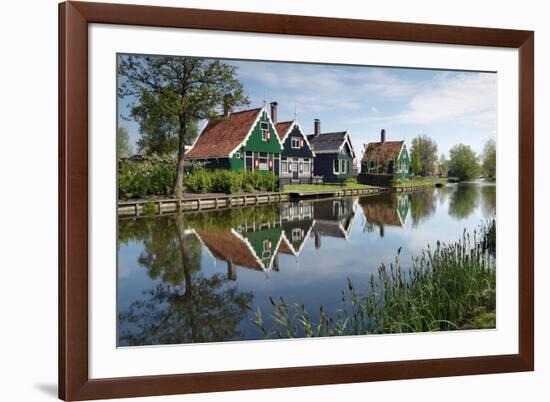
403, 159
256, 144
324, 166
298, 155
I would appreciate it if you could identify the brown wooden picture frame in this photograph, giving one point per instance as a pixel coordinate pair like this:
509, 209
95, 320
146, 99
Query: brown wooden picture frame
74, 382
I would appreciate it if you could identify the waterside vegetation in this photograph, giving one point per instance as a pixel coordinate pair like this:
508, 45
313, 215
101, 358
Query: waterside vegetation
450, 287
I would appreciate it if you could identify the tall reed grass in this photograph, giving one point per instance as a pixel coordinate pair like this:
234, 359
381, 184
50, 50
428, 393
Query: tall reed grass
447, 288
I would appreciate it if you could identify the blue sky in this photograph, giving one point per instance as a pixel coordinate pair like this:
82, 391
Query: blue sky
451, 107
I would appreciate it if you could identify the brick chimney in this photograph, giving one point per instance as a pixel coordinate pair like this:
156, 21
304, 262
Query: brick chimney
317, 126
383, 135
274, 112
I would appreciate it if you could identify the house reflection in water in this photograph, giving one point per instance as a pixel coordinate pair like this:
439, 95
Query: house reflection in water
255, 243
248, 246
384, 210
297, 221
333, 218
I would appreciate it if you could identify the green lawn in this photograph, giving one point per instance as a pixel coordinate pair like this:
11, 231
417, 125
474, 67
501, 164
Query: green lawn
420, 181
321, 187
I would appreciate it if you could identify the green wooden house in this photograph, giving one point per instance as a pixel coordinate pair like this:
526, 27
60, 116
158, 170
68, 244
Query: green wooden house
245, 140
386, 157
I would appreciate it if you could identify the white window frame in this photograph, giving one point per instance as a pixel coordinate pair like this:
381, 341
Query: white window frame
343, 166
294, 140
284, 166
264, 127
296, 234
307, 166
334, 170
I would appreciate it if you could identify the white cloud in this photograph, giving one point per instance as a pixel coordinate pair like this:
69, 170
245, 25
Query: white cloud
465, 99
374, 109
315, 88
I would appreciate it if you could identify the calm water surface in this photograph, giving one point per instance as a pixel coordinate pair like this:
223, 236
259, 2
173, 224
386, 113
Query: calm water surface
201, 277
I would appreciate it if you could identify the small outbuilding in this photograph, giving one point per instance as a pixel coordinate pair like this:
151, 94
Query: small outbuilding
386, 157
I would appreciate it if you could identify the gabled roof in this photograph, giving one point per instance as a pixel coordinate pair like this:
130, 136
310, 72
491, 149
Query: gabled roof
383, 151
283, 129
330, 142
223, 135
227, 246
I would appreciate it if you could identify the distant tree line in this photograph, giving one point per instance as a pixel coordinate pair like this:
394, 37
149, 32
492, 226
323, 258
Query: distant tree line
462, 162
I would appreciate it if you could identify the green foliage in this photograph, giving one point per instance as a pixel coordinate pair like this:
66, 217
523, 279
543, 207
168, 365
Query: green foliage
463, 163
170, 94
153, 176
123, 147
149, 208
185, 306
489, 159
226, 181
443, 290
423, 155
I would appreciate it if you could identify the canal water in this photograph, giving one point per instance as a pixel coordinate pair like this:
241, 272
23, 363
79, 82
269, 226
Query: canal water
202, 277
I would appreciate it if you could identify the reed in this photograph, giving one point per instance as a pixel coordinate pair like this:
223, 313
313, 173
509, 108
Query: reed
449, 287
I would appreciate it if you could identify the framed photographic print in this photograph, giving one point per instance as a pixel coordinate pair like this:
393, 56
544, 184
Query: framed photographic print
259, 200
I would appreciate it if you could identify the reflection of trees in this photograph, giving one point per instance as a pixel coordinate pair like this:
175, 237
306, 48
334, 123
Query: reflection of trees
463, 201
488, 200
422, 205
186, 306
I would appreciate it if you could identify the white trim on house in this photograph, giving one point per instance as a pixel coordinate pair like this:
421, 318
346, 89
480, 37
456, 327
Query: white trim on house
249, 133
304, 136
295, 252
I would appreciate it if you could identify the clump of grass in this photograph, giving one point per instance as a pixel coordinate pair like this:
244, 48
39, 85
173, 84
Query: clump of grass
450, 287
149, 208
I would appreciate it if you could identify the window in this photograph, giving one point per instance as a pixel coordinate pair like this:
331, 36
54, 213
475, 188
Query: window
336, 166
266, 253
295, 142
238, 155
296, 234
372, 167
284, 167
263, 164
343, 166
306, 165
264, 126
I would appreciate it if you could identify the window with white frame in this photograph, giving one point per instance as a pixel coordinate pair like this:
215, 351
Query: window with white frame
306, 166
284, 167
343, 166
264, 126
263, 164
295, 142
296, 234
336, 166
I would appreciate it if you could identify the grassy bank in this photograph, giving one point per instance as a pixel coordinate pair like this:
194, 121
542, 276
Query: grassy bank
422, 181
449, 287
321, 187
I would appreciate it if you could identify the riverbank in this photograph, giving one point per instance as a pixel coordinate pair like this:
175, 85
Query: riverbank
198, 201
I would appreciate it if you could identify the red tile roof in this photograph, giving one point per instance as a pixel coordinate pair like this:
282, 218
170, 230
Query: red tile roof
223, 134
227, 246
382, 151
282, 128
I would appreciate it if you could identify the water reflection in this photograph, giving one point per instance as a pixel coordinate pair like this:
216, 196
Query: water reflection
199, 277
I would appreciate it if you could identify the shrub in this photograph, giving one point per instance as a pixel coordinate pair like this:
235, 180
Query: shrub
225, 181
155, 175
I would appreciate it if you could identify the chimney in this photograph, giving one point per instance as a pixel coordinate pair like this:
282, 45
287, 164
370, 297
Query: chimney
274, 112
317, 126
383, 135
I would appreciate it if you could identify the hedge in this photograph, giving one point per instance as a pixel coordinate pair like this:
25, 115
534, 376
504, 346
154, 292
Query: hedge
157, 175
